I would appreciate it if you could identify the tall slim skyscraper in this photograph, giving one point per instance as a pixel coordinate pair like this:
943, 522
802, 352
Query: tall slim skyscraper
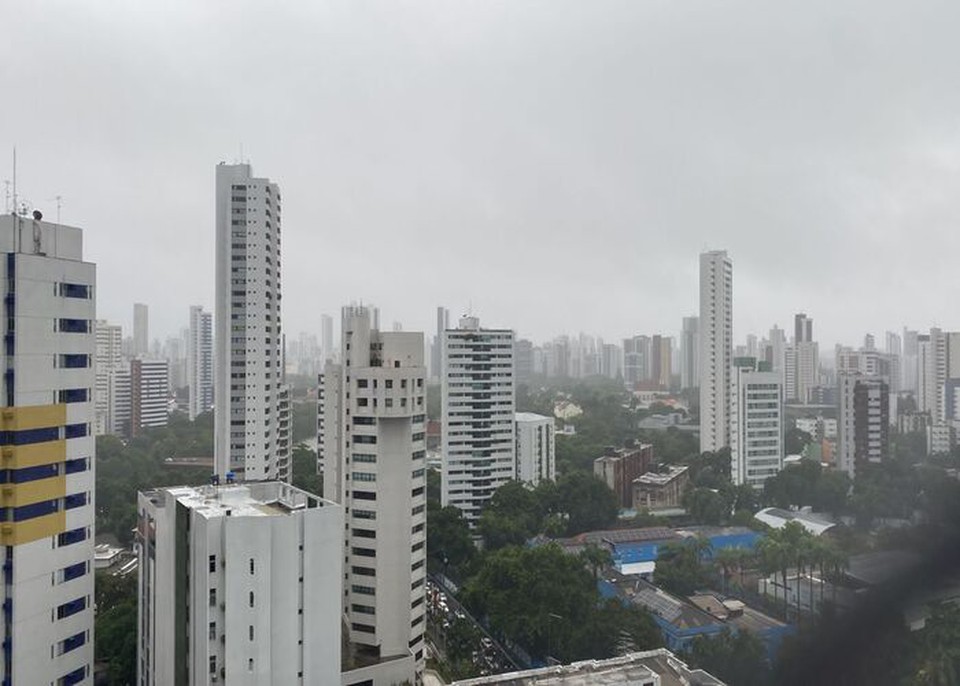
443, 323
802, 328
756, 422
238, 584
477, 409
48, 453
249, 345
373, 452
690, 352
141, 330
803, 360
636, 360
109, 358
716, 348
536, 448
326, 337
200, 362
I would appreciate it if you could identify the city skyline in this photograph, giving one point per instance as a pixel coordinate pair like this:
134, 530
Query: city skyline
405, 145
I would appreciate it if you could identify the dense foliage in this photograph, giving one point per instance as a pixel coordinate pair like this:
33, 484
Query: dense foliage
735, 658
116, 626
577, 502
548, 601
126, 467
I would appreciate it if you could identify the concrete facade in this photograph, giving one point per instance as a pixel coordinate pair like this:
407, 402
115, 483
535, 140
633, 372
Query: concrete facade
48, 418
373, 455
716, 349
536, 448
478, 442
238, 584
200, 362
756, 422
249, 352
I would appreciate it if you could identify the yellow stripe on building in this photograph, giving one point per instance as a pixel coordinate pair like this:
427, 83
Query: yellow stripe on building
32, 417
15, 495
15, 533
33, 455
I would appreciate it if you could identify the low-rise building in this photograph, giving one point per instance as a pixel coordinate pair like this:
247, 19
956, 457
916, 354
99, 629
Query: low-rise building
618, 468
660, 489
778, 518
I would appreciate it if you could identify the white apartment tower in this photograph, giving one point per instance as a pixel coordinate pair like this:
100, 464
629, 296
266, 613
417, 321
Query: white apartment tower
249, 354
149, 394
756, 422
48, 416
716, 346
536, 450
238, 584
109, 358
478, 445
372, 448
690, 352
200, 362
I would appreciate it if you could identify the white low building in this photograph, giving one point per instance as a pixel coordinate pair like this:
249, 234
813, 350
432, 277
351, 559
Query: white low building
240, 583
536, 448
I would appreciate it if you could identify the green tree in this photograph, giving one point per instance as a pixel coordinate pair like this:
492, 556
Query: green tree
678, 568
449, 546
305, 474
735, 658
706, 506
796, 440
511, 517
585, 502
116, 626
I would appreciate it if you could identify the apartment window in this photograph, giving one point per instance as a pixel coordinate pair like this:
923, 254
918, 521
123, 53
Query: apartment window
213, 631
363, 571
213, 597
251, 565
250, 629
388, 383
212, 563
213, 664
251, 599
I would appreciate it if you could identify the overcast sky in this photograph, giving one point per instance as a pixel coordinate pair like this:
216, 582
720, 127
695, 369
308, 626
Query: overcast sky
558, 166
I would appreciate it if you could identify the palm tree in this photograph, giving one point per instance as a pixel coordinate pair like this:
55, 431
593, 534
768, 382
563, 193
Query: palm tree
726, 559
773, 558
596, 557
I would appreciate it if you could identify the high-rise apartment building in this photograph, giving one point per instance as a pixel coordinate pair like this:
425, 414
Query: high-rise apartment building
48, 454
909, 364
536, 449
611, 361
863, 421
523, 359
109, 358
141, 329
716, 346
238, 584
661, 364
443, 323
690, 352
249, 358
200, 362
477, 408
149, 394
373, 451
756, 422
326, 337
932, 367
636, 360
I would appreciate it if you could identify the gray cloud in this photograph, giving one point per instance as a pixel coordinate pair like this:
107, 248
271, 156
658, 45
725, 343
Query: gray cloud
556, 165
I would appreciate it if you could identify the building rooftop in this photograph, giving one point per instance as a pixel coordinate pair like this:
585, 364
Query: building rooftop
661, 478
253, 499
778, 518
531, 417
736, 613
878, 568
629, 670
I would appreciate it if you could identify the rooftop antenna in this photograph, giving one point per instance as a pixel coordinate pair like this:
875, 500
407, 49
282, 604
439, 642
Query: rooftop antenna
15, 179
